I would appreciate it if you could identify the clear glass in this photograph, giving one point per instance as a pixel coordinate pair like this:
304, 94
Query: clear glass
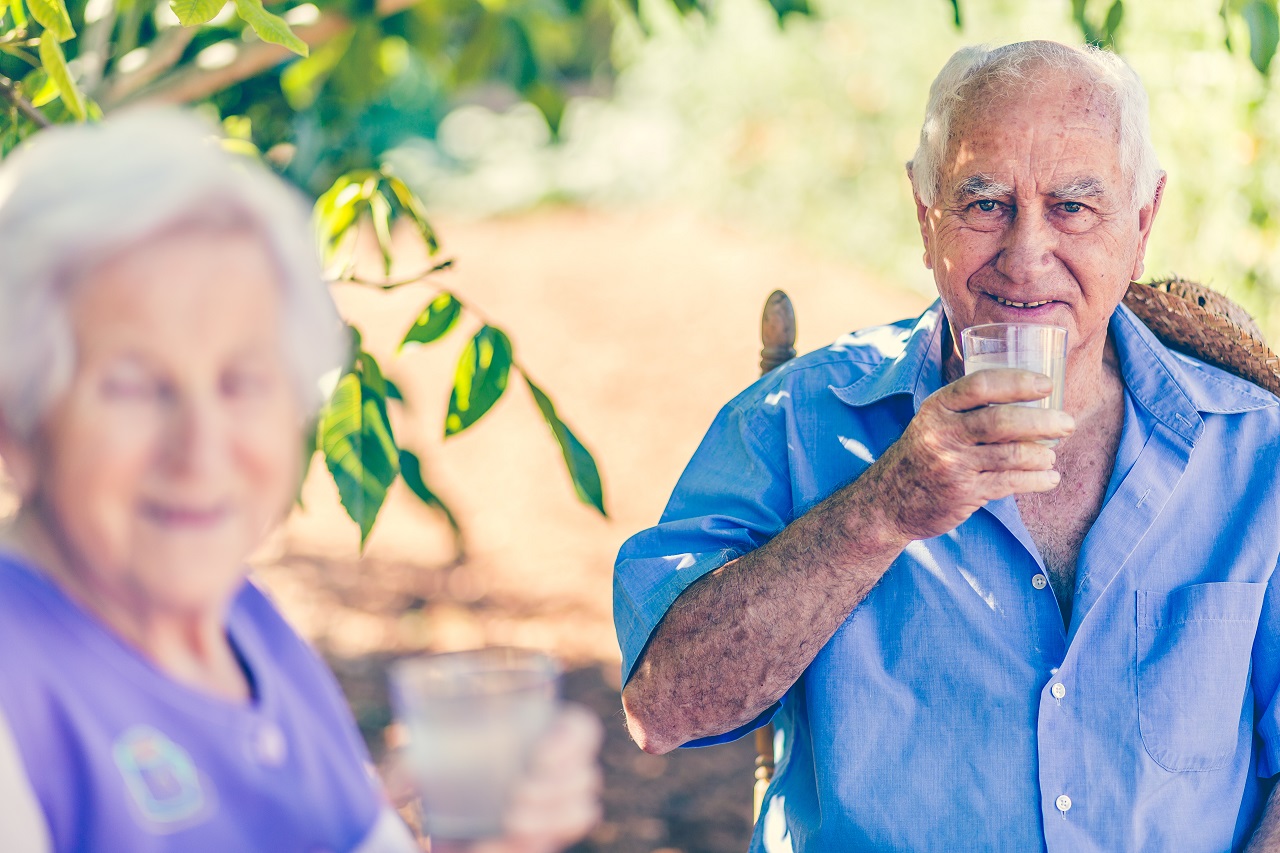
1025, 346
472, 719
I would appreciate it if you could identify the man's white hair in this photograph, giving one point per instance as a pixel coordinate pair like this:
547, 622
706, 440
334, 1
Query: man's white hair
75, 196
980, 71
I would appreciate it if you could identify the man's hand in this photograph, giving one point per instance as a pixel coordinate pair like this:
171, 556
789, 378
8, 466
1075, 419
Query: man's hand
959, 452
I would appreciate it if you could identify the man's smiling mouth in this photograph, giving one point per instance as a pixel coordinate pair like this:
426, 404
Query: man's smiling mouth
1010, 302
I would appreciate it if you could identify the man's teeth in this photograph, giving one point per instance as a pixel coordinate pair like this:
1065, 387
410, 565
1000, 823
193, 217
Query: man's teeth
1004, 301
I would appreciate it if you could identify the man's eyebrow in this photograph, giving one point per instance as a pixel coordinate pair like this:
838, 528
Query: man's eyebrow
982, 186
1078, 189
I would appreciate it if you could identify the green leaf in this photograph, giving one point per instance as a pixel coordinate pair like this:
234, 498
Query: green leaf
52, 15
339, 207
480, 380
19, 15
412, 205
1112, 23
193, 13
1091, 34
1264, 32
582, 467
270, 28
549, 100
359, 449
411, 473
55, 63
371, 375
39, 87
380, 210
955, 11
303, 79
435, 321
394, 392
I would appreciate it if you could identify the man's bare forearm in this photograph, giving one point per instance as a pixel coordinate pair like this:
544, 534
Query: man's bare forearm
738, 638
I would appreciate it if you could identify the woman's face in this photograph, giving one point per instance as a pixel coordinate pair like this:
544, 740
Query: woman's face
175, 447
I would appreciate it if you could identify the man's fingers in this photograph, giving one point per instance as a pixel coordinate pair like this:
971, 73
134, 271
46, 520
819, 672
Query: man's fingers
1014, 456
1004, 424
998, 385
1002, 484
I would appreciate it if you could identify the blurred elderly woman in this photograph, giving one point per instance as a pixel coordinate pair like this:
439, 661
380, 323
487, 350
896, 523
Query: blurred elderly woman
163, 336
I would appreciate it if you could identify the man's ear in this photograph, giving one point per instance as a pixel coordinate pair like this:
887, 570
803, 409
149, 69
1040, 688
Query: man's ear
1147, 216
19, 460
922, 216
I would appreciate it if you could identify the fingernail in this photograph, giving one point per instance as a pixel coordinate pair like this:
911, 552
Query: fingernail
1044, 383
1066, 423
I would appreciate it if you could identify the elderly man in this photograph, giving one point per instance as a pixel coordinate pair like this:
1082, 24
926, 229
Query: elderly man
969, 639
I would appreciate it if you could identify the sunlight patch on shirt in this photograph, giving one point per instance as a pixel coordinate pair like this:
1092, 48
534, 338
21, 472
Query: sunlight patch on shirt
989, 598
776, 397
857, 448
777, 838
920, 553
682, 561
890, 341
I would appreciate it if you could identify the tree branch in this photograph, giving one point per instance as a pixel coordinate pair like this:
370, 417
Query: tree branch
165, 52
93, 54
193, 84
10, 94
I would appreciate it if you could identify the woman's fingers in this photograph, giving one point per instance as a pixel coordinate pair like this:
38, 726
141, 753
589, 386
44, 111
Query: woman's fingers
558, 801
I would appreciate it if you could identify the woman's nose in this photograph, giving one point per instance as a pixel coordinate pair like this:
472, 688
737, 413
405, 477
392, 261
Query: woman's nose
196, 439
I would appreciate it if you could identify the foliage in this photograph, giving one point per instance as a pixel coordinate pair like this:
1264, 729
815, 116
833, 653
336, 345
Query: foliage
806, 123
802, 130
356, 435
73, 61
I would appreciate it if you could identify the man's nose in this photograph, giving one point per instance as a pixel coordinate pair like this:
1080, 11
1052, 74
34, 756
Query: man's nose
1027, 252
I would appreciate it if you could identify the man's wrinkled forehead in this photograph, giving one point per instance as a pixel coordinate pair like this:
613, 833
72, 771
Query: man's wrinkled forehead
1060, 105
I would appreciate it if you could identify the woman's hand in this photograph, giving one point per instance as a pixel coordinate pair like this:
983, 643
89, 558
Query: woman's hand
558, 800
554, 805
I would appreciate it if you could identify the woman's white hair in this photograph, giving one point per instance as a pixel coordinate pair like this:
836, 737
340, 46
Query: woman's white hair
980, 71
75, 196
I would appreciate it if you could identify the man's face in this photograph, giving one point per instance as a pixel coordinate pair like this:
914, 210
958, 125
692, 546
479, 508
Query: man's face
1034, 220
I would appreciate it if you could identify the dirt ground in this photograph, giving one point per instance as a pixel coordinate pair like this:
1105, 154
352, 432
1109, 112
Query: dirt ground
640, 325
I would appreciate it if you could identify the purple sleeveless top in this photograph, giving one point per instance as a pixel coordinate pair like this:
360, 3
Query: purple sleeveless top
123, 758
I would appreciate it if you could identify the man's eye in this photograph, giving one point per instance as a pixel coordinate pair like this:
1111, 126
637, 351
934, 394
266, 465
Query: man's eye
987, 205
1072, 206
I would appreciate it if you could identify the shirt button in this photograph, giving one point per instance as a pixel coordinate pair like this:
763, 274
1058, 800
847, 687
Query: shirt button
1058, 690
1039, 581
1063, 803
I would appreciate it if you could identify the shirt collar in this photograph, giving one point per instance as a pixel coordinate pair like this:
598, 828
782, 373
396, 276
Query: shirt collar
1173, 387
912, 361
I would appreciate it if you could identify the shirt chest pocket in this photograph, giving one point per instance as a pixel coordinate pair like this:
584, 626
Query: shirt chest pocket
1193, 653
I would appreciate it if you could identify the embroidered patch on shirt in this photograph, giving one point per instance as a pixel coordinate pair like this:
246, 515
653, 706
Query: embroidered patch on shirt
161, 777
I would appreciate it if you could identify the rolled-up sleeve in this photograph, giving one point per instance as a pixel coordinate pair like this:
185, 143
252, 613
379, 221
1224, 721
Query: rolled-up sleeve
732, 498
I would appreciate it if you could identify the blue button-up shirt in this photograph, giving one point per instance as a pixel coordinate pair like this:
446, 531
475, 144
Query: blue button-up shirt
951, 710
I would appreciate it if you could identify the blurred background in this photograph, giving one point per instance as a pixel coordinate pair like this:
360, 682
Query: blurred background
620, 188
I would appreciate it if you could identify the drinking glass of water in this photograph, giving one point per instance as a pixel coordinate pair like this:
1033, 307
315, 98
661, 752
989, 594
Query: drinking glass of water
472, 719
1024, 346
